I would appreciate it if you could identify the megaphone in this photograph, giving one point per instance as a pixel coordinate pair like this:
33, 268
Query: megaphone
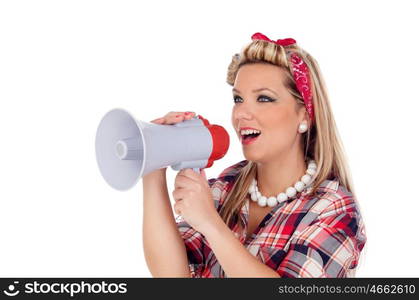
128, 149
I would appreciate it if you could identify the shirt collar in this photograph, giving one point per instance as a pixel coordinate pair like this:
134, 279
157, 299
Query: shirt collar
329, 185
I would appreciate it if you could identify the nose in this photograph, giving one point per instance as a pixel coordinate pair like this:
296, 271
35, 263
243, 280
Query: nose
241, 113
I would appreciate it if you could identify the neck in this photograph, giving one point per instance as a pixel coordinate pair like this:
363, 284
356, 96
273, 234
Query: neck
276, 176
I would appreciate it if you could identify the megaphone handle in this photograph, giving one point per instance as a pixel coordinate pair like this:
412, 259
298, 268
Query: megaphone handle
197, 170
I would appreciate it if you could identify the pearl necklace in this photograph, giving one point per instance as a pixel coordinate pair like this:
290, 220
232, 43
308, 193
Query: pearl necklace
290, 192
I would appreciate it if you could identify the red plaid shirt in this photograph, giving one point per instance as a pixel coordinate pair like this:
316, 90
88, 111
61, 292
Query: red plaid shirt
305, 236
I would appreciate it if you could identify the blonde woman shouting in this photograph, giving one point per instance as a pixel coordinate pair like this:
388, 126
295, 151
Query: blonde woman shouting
289, 209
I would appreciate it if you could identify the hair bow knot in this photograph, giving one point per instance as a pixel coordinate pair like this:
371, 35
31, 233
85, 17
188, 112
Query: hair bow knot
281, 42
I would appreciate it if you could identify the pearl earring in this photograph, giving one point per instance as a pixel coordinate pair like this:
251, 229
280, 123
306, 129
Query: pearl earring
303, 127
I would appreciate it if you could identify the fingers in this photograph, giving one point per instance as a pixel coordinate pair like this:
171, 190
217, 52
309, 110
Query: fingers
158, 121
176, 195
174, 117
177, 207
183, 182
177, 117
179, 194
187, 178
203, 174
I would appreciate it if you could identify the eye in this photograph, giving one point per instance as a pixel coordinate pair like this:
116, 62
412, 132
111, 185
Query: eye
238, 99
269, 99
235, 99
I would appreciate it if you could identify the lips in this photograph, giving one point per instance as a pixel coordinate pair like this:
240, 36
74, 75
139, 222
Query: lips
251, 135
249, 140
246, 140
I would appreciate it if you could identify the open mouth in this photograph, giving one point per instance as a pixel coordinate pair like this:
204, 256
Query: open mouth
248, 136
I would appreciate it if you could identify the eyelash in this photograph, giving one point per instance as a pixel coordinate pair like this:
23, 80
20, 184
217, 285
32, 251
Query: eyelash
266, 97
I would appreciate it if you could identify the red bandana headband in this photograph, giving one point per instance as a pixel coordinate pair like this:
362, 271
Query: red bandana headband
300, 71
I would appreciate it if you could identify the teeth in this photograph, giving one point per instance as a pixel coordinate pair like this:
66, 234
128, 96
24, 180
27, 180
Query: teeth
249, 131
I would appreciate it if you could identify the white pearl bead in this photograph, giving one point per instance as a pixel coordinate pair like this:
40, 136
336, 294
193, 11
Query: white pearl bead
311, 171
262, 201
302, 128
272, 201
299, 186
253, 196
312, 165
291, 192
306, 179
282, 197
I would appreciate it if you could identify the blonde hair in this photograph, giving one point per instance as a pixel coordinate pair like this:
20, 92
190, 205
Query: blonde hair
321, 141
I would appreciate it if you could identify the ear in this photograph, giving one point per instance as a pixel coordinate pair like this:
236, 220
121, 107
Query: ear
304, 116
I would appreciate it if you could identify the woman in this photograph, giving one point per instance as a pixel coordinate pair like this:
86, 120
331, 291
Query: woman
289, 209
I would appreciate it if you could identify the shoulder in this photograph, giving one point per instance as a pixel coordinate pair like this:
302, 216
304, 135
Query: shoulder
336, 195
334, 210
332, 201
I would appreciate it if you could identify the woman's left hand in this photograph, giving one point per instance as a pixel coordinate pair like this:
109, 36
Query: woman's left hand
194, 200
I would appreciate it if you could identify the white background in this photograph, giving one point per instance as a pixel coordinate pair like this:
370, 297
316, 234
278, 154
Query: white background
64, 64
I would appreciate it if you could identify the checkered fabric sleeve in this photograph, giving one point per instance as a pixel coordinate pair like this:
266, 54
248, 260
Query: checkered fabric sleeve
329, 247
194, 248
194, 243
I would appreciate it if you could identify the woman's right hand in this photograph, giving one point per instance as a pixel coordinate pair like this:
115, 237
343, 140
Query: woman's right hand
174, 117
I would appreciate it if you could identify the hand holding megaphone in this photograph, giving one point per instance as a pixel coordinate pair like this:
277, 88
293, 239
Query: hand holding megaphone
174, 117
128, 149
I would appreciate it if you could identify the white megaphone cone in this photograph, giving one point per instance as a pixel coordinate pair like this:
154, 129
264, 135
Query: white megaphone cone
127, 149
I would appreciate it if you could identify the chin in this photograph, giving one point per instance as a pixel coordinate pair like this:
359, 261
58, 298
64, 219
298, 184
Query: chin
252, 156
260, 157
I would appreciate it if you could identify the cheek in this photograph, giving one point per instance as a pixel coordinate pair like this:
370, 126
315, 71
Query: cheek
233, 120
280, 127
232, 117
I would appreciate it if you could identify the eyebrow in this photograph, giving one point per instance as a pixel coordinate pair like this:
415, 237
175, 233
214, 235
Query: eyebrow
256, 90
